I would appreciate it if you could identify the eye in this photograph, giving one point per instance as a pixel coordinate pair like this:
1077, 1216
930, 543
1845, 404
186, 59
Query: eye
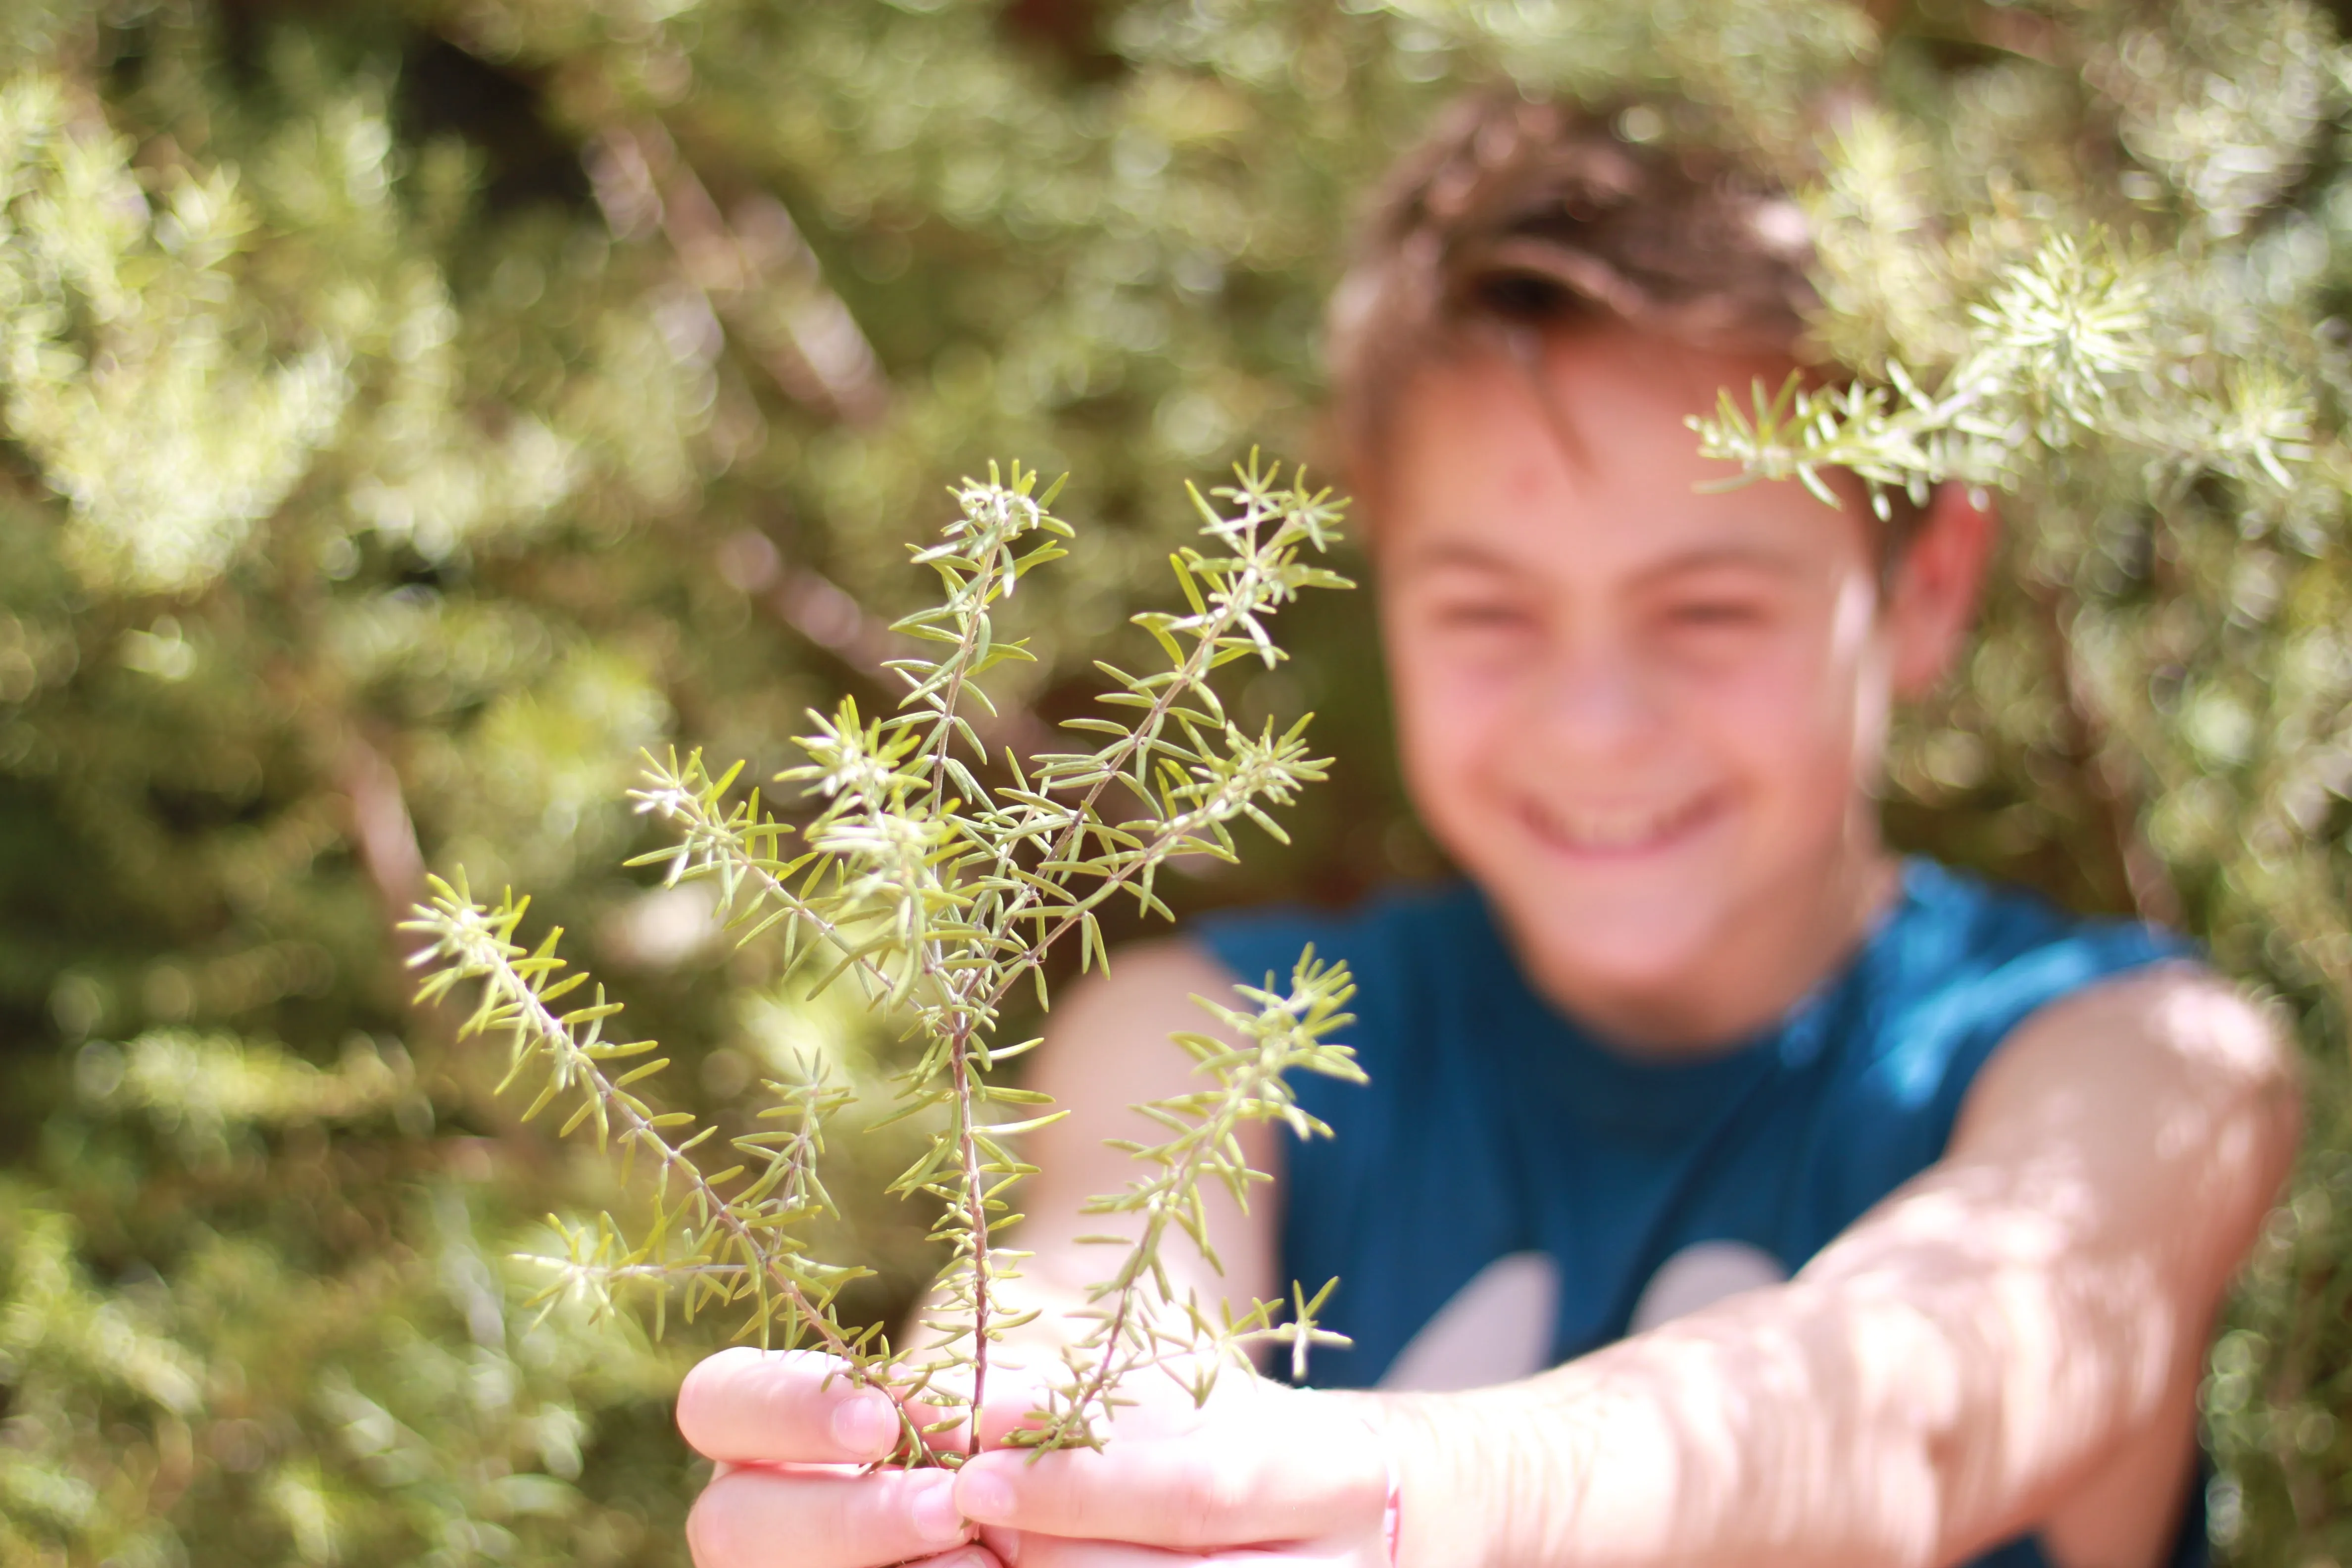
1481, 616
1705, 614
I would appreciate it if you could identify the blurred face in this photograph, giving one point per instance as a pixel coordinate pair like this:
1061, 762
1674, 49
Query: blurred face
1644, 718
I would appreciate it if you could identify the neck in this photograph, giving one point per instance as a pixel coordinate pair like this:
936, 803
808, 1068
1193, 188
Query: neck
1775, 954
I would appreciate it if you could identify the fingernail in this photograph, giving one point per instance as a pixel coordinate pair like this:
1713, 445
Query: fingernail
984, 1498
934, 1510
864, 1424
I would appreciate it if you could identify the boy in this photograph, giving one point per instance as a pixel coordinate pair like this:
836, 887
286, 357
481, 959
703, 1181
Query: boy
1861, 1213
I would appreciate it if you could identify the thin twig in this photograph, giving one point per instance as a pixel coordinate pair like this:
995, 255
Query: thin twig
491, 960
811, 345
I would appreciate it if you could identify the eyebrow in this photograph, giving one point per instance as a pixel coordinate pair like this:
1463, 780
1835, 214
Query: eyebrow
1467, 555
1707, 557
1461, 554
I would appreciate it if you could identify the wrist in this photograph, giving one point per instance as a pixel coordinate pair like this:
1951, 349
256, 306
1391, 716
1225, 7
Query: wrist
1396, 1427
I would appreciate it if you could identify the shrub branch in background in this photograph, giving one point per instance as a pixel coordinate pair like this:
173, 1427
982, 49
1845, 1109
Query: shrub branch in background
409, 411
935, 895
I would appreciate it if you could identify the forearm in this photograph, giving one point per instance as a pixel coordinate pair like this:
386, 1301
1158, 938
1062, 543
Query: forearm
1808, 1425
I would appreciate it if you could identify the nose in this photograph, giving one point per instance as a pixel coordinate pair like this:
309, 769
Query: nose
1593, 700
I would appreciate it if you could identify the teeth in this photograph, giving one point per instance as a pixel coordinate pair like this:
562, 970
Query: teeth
1621, 829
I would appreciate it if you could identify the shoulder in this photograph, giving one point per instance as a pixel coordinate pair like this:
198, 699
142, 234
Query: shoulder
2174, 1033
1145, 992
1958, 924
1107, 1046
1945, 986
2158, 1114
1962, 963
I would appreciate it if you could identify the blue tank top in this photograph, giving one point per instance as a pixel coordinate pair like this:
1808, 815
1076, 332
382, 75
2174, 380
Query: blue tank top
1493, 1125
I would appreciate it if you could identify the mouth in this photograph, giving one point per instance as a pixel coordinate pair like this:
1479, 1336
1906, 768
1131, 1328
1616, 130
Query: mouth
1620, 833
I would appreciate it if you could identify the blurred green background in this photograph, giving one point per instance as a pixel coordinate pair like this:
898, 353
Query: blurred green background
410, 409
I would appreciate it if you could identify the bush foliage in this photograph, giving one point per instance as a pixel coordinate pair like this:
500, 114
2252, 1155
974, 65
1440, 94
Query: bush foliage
413, 408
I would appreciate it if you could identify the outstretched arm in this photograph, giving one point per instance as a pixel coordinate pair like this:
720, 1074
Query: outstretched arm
2010, 1341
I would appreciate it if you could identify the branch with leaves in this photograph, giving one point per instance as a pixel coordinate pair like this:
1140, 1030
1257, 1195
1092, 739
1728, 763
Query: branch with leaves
2060, 347
1287, 1032
933, 892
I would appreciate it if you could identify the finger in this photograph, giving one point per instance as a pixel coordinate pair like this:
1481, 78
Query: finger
1147, 1408
1195, 1493
963, 1557
1015, 1395
775, 1407
1055, 1551
754, 1518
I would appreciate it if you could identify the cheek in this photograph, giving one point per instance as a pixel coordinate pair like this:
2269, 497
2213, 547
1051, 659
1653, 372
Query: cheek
1451, 716
1797, 711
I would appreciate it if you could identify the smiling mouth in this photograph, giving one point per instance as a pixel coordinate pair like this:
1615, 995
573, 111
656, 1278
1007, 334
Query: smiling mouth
1618, 832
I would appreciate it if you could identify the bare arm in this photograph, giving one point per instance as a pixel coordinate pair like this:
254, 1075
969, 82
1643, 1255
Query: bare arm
2008, 1343
1988, 1350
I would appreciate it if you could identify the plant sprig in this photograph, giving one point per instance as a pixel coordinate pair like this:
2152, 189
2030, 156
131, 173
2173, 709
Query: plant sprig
933, 893
1248, 1066
2059, 346
720, 1248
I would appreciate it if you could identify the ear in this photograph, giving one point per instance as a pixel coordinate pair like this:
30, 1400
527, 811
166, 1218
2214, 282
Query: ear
1933, 600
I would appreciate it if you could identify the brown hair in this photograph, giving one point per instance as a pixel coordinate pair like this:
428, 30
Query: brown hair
1515, 215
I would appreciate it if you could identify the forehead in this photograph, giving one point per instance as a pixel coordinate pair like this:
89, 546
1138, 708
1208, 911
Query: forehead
1575, 460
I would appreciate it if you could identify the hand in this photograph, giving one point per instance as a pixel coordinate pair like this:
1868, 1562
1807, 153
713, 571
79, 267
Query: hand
1263, 1476
789, 1434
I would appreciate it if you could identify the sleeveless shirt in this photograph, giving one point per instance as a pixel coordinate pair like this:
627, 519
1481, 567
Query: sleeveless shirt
1494, 1126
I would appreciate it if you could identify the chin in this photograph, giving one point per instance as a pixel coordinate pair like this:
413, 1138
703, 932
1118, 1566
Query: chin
1614, 926
1618, 953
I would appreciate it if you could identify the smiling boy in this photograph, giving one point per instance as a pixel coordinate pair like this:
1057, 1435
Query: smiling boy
1727, 1190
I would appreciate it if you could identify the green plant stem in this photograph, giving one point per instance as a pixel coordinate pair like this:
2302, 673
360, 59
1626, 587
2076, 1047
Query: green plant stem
975, 1205
612, 1103
719, 835
1190, 679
